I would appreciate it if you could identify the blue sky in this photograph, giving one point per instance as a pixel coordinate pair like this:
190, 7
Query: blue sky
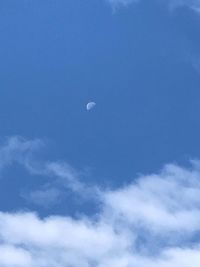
128, 166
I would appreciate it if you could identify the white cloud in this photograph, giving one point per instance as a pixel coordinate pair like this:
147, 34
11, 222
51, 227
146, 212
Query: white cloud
13, 256
168, 201
59, 240
154, 222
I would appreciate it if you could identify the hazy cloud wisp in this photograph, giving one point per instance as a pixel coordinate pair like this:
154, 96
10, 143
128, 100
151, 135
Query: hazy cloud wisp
192, 4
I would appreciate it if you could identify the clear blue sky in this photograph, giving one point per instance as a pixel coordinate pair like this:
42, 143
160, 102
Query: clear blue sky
140, 63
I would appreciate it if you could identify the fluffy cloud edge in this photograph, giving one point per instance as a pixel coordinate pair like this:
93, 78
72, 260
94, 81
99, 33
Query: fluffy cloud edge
154, 221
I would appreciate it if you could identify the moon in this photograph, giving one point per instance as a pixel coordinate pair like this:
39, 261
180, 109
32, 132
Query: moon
90, 105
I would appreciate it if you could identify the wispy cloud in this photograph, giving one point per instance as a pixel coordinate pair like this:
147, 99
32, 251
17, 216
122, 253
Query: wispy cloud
154, 222
18, 150
46, 196
191, 4
173, 4
117, 3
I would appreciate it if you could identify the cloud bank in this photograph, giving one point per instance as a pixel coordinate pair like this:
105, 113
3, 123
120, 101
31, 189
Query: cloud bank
154, 221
